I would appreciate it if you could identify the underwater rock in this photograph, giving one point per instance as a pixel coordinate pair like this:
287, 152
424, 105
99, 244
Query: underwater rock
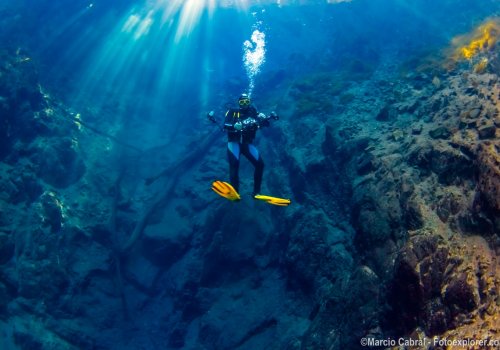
102, 234
42, 280
28, 187
398, 135
449, 164
449, 205
366, 164
27, 340
413, 214
467, 123
387, 113
209, 335
52, 333
423, 246
6, 248
58, 163
409, 107
357, 297
313, 254
487, 131
475, 223
489, 174
20, 97
177, 336
417, 282
20, 184
440, 133
417, 129
52, 211
434, 285
373, 230
436, 318
459, 295
241, 238
4, 298
474, 113
376, 220
405, 293
365, 285
193, 301
308, 158
433, 271
162, 246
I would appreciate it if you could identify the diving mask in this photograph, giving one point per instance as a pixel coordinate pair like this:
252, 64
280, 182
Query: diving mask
244, 102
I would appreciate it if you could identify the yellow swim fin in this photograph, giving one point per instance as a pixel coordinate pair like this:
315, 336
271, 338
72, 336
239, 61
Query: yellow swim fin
225, 190
282, 202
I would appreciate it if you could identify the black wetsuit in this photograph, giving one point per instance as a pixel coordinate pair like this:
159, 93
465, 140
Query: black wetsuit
241, 142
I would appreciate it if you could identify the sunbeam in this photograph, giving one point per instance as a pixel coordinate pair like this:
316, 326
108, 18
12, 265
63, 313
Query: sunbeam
157, 33
160, 52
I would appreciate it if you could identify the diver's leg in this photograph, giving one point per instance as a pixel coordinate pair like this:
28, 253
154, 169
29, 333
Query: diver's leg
252, 154
233, 156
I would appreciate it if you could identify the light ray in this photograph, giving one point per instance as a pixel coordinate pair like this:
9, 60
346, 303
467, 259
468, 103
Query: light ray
158, 52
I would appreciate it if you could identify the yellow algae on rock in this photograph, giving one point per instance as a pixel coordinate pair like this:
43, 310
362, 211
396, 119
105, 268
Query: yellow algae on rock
481, 66
474, 46
481, 40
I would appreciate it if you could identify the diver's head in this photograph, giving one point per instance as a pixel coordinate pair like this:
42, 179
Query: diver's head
244, 101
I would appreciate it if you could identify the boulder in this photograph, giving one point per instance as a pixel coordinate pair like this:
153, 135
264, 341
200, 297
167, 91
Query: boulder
474, 113
413, 214
387, 113
417, 129
489, 174
450, 204
405, 293
440, 133
459, 295
450, 165
487, 131
58, 163
52, 214
436, 318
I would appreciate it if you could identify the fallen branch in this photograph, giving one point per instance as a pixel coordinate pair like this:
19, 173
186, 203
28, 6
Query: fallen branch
175, 172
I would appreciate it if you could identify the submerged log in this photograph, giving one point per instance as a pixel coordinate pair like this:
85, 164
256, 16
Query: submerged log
174, 172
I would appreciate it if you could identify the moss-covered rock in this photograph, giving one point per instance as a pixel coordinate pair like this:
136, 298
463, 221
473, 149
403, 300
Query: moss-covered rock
58, 163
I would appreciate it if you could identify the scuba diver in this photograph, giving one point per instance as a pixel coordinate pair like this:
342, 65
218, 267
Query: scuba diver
241, 125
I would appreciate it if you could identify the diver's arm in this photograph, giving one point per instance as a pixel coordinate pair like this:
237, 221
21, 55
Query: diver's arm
263, 120
229, 124
211, 116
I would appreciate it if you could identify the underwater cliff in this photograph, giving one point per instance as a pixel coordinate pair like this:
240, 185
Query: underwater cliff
387, 144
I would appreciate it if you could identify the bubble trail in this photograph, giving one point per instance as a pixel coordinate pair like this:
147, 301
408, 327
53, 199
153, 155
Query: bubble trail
254, 55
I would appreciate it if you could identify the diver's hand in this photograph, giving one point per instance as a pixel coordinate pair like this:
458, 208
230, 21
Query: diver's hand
274, 115
210, 116
263, 116
238, 126
250, 123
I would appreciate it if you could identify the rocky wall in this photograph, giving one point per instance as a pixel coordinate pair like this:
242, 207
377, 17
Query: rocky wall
439, 204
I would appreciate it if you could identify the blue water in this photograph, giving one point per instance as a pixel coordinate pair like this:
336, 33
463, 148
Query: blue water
88, 55
117, 93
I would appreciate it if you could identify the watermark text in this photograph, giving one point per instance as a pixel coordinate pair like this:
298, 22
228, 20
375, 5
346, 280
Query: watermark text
436, 341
